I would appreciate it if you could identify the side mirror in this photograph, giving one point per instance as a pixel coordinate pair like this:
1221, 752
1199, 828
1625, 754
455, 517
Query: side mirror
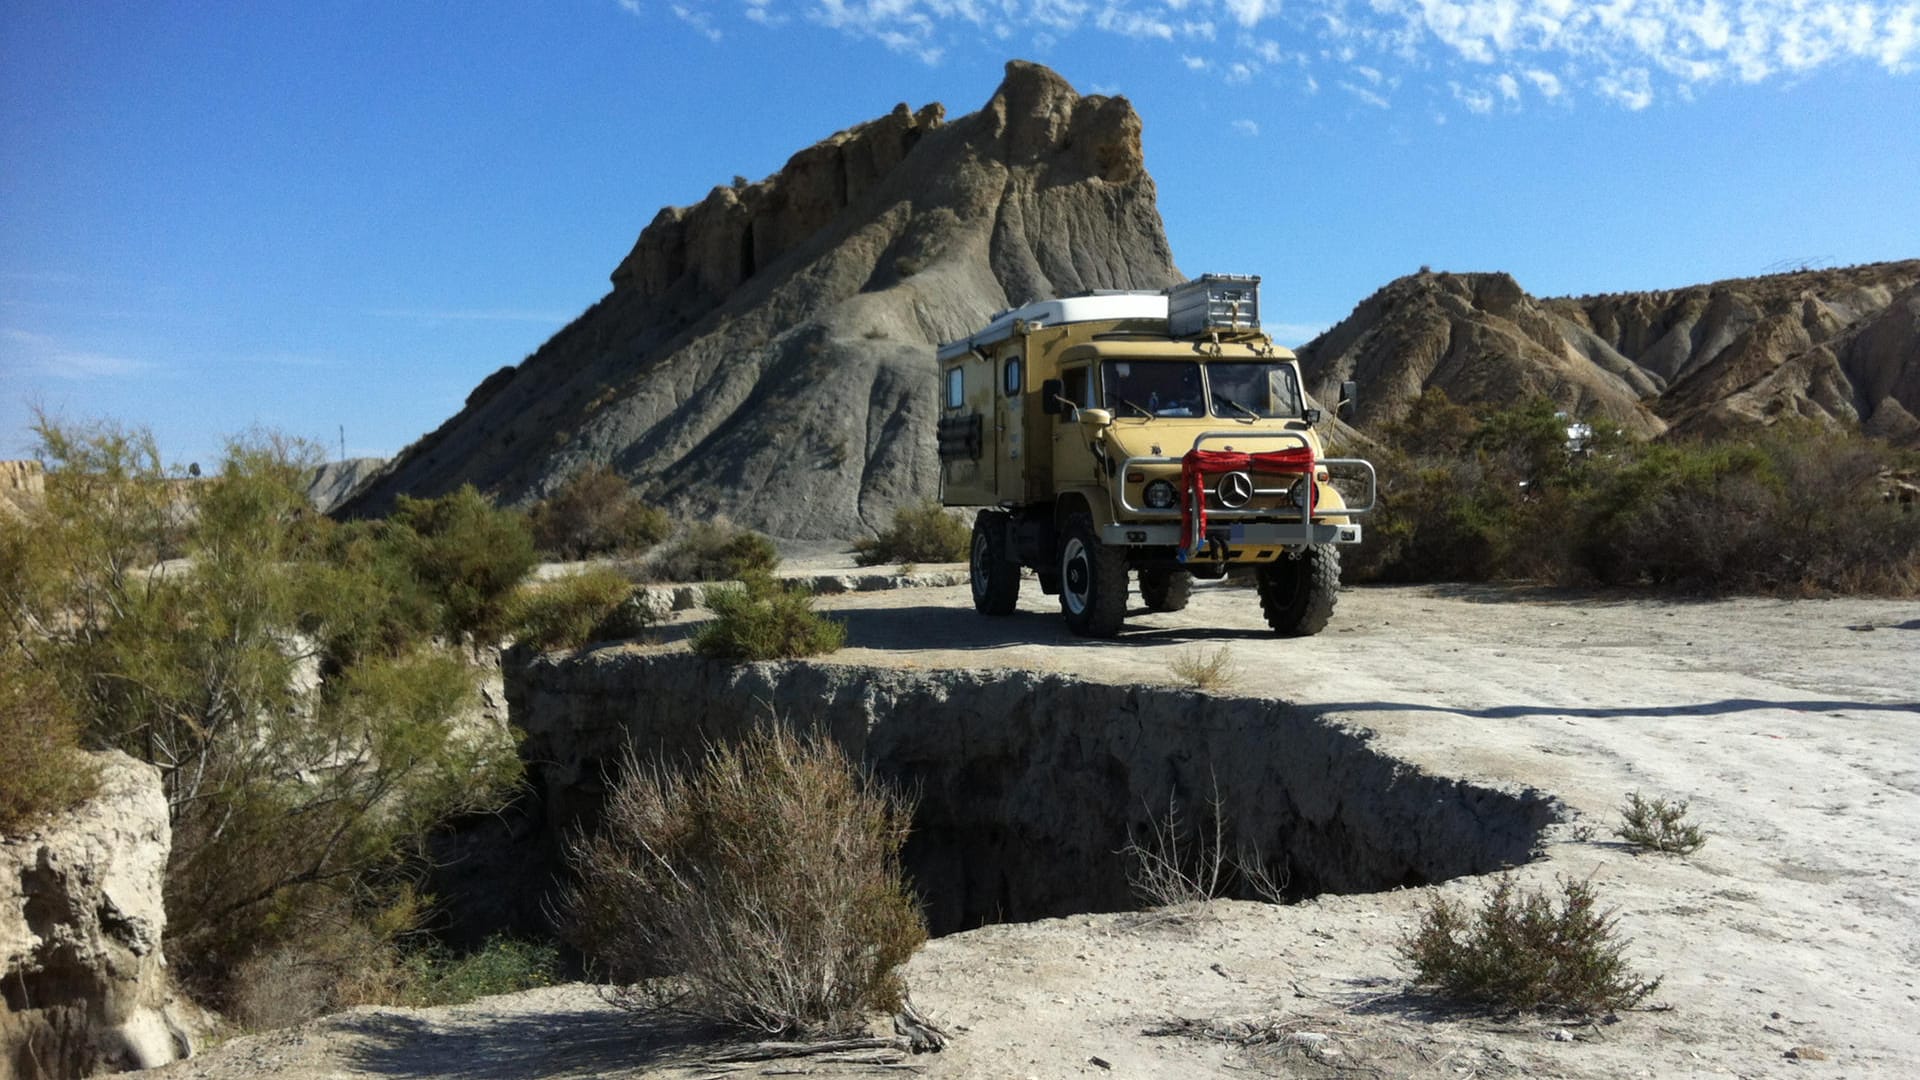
1096, 418
1050, 396
1349, 399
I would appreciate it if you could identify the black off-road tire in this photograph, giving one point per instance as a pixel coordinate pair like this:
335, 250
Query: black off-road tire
1093, 581
1166, 590
1297, 595
995, 581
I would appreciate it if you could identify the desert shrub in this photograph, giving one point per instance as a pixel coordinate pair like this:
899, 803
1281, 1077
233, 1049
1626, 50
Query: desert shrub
714, 551
763, 619
298, 776
921, 532
596, 513
761, 888
1523, 951
40, 754
467, 553
571, 611
1788, 510
1204, 669
1658, 825
435, 975
1174, 861
1791, 509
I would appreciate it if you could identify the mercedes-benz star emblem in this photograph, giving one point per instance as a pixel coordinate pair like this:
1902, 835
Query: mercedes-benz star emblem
1235, 490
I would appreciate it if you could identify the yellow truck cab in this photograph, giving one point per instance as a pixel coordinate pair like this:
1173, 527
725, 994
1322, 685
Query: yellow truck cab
1160, 433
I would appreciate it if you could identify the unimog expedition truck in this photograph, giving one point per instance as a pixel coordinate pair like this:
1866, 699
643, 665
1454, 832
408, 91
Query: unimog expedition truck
1162, 433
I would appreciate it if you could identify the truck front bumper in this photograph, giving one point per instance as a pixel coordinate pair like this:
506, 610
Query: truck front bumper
1234, 534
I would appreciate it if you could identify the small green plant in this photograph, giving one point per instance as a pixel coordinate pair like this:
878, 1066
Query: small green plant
760, 888
40, 753
921, 532
596, 513
467, 553
762, 619
576, 609
1522, 951
1658, 825
432, 974
714, 551
1205, 669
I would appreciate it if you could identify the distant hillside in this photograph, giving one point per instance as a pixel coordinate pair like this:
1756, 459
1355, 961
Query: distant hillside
1840, 345
767, 353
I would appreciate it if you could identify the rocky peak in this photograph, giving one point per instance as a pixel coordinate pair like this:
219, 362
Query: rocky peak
766, 353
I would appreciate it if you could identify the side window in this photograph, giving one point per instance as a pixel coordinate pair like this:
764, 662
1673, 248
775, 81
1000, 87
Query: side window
956, 388
1010, 381
1078, 386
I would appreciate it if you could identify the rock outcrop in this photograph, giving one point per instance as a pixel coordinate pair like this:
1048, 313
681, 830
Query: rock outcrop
1835, 345
332, 483
22, 484
81, 967
766, 354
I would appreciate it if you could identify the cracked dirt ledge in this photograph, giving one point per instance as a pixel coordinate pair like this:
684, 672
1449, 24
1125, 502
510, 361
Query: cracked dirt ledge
1790, 724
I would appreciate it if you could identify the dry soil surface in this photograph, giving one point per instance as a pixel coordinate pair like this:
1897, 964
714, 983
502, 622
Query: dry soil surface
1789, 945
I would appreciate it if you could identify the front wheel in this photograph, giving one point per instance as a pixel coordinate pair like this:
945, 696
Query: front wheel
1165, 590
1297, 594
1093, 581
996, 582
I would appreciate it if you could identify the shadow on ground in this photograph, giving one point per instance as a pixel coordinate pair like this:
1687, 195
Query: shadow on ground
568, 1043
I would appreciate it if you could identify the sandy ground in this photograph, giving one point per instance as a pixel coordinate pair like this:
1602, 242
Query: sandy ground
1789, 945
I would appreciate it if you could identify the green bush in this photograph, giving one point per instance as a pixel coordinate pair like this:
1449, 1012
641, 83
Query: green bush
1658, 825
435, 975
764, 885
290, 801
921, 532
467, 553
714, 551
571, 611
1792, 509
596, 513
1522, 951
762, 619
40, 754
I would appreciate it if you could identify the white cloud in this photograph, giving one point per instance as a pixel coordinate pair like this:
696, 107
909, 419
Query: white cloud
1629, 52
1247, 127
49, 357
1365, 94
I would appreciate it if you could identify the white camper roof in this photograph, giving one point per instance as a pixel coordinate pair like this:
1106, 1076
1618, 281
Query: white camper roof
1097, 307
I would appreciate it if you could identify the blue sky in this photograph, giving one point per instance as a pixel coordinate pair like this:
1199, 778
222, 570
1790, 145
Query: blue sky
325, 216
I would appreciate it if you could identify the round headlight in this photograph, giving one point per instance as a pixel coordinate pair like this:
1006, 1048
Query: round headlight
1297, 494
1159, 495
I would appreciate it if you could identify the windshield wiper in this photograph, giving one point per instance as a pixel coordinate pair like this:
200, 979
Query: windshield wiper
1229, 402
1144, 411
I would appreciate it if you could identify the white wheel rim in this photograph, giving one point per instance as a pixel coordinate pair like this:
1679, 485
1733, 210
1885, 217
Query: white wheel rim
1075, 558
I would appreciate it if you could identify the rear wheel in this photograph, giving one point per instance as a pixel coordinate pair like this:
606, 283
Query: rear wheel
1165, 590
1093, 581
1297, 594
996, 582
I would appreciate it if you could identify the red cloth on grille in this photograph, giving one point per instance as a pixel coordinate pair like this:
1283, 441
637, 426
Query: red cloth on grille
1193, 482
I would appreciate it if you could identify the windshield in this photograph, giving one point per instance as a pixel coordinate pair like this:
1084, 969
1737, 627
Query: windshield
1253, 389
1243, 390
1152, 387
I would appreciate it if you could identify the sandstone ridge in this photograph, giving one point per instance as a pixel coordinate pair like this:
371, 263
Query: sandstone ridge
766, 353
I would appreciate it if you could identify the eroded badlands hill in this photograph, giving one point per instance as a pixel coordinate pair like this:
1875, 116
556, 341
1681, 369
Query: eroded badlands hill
766, 354
1839, 345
